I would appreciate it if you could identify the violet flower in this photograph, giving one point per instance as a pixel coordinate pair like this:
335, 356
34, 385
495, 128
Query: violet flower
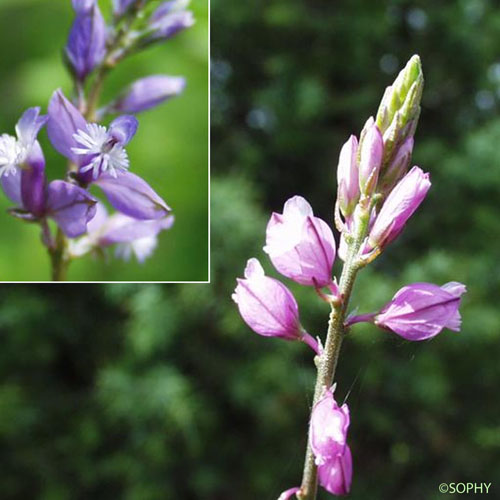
101, 158
301, 246
22, 170
147, 93
328, 428
86, 45
348, 177
335, 476
421, 310
370, 157
104, 148
268, 307
14, 151
131, 236
403, 200
169, 19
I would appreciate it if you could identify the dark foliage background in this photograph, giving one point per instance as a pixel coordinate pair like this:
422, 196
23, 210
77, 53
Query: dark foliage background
154, 392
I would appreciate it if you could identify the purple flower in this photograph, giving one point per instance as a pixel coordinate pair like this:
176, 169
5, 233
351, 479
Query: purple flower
347, 177
86, 45
268, 307
169, 19
328, 428
22, 160
301, 246
147, 93
22, 172
421, 310
101, 158
132, 236
336, 474
15, 151
403, 200
94, 148
371, 155
104, 148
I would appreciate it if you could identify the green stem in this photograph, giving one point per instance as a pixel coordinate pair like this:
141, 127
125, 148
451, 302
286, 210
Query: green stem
329, 359
60, 261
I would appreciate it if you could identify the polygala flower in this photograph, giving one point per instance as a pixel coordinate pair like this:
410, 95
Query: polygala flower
17, 151
86, 45
328, 428
301, 246
336, 474
97, 150
105, 149
268, 307
347, 177
169, 19
22, 171
403, 200
421, 310
370, 157
131, 236
147, 93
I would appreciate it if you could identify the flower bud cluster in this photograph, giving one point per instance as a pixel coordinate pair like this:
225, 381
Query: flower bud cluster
386, 194
302, 248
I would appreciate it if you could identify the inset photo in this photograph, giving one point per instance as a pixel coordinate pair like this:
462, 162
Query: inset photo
104, 141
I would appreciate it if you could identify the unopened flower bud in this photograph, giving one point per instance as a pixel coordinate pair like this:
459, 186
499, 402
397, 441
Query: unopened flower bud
328, 428
86, 45
167, 20
403, 200
347, 177
421, 310
301, 246
397, 167
268, 307
399, 110
404, 94
147, 93
370, 159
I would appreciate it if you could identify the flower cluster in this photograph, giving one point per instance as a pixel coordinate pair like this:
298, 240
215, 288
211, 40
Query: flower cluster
377, 194
96, 153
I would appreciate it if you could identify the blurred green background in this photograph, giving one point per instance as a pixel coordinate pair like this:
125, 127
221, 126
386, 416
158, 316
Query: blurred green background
170, 150
161, 391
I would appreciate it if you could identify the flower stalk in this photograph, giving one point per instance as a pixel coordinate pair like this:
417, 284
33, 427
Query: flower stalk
376, 196
328, 360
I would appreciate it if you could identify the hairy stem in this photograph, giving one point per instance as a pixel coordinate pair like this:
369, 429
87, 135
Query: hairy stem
328, 360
